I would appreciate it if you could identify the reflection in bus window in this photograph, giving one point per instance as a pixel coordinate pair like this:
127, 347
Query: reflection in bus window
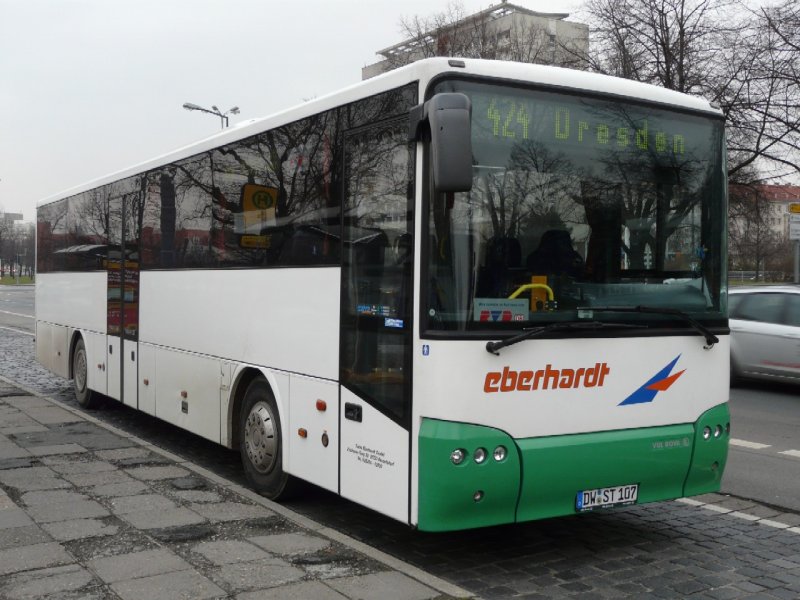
376, 270
576, 202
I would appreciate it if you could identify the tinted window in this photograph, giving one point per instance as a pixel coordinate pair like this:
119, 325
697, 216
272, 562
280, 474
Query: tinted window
761, 307
270, 200
376, 270
87, 220
380, 107
176, 216
792, 314
734, 300
275, 196
51, 236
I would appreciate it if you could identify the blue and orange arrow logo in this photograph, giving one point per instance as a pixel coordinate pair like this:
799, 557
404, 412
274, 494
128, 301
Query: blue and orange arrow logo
660, 382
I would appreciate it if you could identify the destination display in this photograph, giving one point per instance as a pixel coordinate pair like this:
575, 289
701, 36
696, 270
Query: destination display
549, 132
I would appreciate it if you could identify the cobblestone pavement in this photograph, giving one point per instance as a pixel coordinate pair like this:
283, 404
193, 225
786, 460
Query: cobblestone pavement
88, 511
713, 546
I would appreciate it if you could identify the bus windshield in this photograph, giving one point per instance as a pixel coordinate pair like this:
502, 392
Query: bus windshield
577, 202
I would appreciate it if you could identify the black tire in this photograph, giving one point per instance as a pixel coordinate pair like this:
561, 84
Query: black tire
260, 439
86, 397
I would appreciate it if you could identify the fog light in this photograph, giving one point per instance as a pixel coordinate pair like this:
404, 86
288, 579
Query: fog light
478, 496
499, 453
457, 456
480, 455
718, 431
706, 432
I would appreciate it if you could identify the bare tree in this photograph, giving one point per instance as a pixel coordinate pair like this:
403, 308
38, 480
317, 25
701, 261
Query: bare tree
754, 245
745, 61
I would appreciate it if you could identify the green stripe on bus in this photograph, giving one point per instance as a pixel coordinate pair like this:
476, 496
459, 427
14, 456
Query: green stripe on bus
557, 468
447, 492
710, 454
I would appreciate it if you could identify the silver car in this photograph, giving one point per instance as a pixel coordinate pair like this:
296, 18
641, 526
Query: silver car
765, 332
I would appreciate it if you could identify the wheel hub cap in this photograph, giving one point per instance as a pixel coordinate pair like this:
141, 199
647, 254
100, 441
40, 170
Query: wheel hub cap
259, 437
80, 371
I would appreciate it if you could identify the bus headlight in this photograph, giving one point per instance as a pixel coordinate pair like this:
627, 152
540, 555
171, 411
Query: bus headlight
500, 453
718, 431
706, 432
479, 455
457, 456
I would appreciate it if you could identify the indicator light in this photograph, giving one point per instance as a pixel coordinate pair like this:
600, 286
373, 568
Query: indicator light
480, 455
718, 431
478, 496
706, 432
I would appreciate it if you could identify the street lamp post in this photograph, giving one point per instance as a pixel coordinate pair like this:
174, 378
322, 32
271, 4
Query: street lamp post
223, 116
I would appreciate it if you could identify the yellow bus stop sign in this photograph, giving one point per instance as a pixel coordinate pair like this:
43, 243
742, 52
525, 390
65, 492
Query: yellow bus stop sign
259, 198
258, 207
794, 208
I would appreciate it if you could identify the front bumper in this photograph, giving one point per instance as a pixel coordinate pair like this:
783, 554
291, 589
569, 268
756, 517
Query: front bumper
540, 477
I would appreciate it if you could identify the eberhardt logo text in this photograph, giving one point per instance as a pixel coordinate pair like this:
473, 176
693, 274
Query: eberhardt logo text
545, 379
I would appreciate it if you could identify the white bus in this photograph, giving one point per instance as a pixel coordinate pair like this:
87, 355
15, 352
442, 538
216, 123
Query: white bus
462, 293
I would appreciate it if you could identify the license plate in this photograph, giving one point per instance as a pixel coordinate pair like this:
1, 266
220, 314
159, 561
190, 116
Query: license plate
620, 495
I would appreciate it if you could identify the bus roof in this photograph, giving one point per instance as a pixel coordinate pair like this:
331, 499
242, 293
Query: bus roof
423, 71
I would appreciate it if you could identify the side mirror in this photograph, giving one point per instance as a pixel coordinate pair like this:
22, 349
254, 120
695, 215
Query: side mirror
449, 119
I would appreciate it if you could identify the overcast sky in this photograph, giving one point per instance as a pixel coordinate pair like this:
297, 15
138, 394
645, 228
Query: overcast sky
89, 87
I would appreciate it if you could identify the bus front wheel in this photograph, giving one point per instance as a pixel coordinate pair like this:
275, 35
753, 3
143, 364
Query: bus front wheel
260, 439
80, 378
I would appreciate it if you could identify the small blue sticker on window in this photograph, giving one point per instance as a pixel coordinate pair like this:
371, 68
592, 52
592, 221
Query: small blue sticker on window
426, 349
396, 323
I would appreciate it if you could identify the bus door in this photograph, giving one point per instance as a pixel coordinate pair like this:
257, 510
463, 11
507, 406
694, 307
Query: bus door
123, 297
114, 300
376, 307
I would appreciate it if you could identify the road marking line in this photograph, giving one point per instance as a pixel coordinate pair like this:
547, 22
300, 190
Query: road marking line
718, 509
738, 514
14, 329
690, 501
13, 314
746, 444
744, 516
775, 524
794, 453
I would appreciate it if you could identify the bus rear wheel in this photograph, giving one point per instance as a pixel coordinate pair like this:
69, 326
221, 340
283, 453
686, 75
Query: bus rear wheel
80, 378
260, 440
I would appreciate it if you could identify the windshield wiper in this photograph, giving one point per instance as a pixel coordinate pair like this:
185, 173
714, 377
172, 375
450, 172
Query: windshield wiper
711, 339
493, 347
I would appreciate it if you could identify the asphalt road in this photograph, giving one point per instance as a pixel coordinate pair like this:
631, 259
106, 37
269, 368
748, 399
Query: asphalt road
16, 307
764, 462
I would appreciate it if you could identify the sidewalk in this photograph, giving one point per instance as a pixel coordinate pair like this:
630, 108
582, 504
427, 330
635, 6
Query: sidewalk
87, 511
